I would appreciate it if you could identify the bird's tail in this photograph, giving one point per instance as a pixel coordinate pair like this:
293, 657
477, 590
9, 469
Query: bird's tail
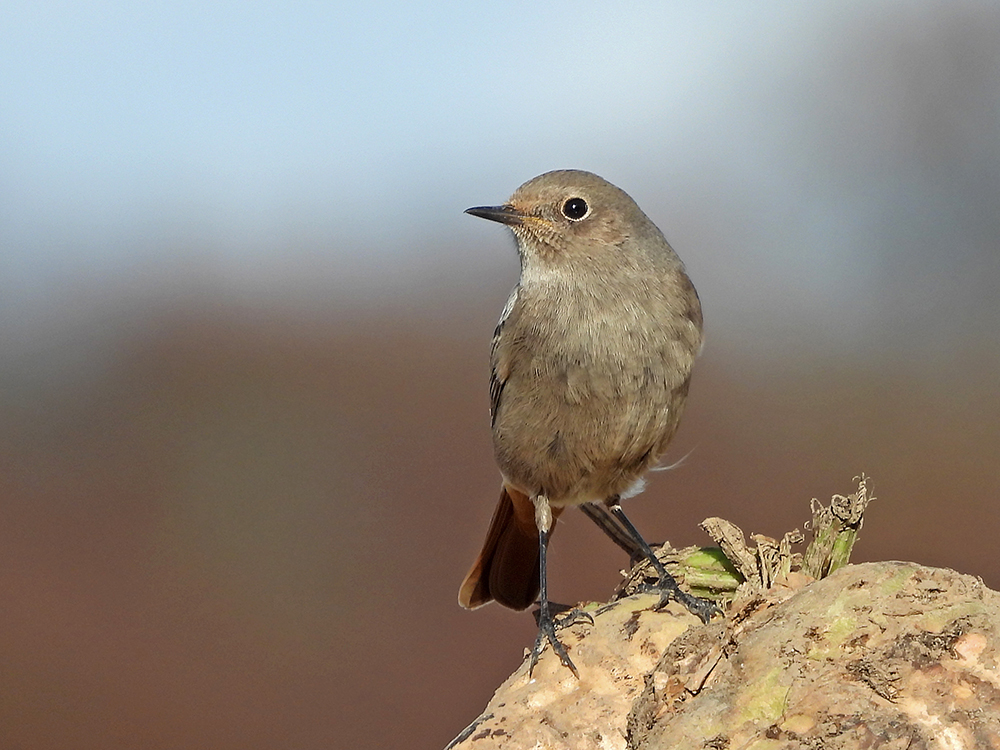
507, 568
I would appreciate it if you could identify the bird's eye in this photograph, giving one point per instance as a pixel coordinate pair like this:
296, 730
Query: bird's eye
575, 209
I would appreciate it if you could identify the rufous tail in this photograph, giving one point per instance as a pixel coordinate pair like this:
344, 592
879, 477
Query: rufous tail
506, 570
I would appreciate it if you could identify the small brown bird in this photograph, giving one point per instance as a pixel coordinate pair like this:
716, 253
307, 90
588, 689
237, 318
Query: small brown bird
591, 362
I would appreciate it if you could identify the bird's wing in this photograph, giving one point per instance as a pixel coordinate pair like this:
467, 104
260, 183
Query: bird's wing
499, 370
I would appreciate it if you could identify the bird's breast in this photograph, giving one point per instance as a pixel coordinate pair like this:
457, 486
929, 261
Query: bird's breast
589, 400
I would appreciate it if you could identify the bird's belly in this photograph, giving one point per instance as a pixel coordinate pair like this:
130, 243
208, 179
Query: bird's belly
576, 438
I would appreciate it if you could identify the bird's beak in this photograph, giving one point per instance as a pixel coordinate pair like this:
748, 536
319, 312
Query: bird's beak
505, 214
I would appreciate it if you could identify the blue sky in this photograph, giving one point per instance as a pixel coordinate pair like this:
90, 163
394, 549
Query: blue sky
243, 122
791, 152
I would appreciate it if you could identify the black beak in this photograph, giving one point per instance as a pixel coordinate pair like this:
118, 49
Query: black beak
504, 214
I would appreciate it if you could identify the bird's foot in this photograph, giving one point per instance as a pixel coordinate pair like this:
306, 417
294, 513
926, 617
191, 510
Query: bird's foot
564, 615
667, 588
547, 632
571, 616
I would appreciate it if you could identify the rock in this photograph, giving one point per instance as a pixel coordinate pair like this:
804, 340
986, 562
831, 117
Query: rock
877, 655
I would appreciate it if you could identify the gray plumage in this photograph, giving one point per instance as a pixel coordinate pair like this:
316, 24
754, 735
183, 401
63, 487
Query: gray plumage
590, 365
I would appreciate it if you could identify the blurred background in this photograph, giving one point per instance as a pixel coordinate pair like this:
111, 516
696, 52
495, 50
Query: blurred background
244, 328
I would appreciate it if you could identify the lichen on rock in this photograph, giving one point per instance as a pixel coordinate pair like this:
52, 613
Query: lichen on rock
878, 655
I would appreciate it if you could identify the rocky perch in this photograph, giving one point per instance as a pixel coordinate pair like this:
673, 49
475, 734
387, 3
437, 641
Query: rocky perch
811, 653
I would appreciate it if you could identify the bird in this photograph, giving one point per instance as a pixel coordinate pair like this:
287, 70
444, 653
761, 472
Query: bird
590, 366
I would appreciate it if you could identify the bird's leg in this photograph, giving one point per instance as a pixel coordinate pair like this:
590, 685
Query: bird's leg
667, 586
607, 523
546, 623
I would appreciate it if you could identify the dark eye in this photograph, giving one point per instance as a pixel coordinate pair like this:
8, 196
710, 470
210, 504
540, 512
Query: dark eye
575, 209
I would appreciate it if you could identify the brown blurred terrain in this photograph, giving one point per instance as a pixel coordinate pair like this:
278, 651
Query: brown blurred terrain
248, 530
241, 522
